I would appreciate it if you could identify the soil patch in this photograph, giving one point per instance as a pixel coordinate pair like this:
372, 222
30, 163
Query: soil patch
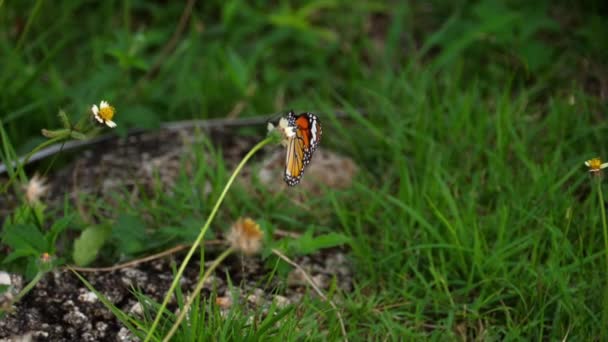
61, 308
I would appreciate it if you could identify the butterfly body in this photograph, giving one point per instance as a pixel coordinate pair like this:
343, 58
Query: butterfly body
301, 146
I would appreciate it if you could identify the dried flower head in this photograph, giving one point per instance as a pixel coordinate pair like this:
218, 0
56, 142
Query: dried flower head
285, 128
104, 114
595, 165
35, 189
246, 236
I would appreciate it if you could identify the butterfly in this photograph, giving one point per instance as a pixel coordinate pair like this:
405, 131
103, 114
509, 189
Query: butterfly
301, 145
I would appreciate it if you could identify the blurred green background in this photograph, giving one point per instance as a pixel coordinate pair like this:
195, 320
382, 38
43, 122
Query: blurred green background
168, 60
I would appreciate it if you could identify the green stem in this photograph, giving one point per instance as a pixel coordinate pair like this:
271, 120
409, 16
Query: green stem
28, 156
194, 293
201, 235
605, 231
29, 286
603, 214
43, 145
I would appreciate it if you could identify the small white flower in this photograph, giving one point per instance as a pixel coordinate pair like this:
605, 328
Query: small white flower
285, 128
104, 113
595, 165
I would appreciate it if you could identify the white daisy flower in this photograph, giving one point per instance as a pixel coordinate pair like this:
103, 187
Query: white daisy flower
285, 128
595, 165
104, 114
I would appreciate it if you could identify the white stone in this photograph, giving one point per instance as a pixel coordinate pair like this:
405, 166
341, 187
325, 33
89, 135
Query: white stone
87, 296
281, 301
5, 278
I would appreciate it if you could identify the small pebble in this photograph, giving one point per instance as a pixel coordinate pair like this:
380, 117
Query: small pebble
296, 278
75, 318
257, 297
281, 301
223, 302
124, 335
136, 309
5, 278
87, 296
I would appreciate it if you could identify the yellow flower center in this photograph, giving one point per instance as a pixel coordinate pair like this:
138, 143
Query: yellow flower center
245, 236
107, 113
595, 164
45, 257
251, 229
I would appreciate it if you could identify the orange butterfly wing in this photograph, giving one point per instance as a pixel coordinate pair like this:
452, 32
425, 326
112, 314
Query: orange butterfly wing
301, 147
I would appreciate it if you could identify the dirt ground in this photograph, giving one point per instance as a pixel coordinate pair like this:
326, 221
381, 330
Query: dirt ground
61, 308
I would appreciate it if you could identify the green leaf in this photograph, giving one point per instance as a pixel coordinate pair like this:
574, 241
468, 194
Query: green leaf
57, 228
308, 244
271, 321
313, 7
186, 232
139, 116
38, 208
535, 55
21, 253
77, 135
55, 133
65, 121
129, 234
89, 243
26, 215
31, 268
128, 60
24, 239
238, 71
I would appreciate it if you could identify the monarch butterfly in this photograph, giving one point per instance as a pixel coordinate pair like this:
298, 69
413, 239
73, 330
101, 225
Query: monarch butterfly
301, 146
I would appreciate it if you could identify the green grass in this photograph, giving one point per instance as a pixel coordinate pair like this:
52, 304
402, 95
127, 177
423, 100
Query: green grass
472, 215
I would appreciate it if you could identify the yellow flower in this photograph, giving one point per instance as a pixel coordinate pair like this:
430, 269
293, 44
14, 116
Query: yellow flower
595, 165
45, 257
104, 114
246, 236
35, 189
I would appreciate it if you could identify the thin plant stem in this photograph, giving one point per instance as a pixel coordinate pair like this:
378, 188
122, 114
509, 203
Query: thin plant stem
603, 214
48, 168
605, 231
135, 262
29, 286
194, 293
43, 145
28, 156
201, 235
316, 288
